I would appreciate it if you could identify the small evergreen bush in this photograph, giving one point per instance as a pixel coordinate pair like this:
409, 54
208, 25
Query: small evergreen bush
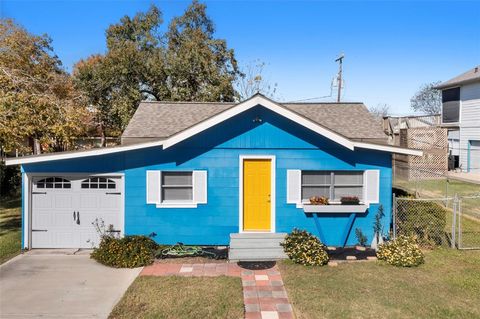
361, 238
401, 252
304, 248
125, 252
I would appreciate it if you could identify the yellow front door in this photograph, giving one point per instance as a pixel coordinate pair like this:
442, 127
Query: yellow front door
256, 195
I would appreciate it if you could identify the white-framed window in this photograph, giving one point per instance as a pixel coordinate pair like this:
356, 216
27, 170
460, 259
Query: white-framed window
177, 189
54, 182
98, 183
333, 184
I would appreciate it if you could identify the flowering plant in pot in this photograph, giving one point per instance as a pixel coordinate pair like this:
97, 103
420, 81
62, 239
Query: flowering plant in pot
319, 200
350, 200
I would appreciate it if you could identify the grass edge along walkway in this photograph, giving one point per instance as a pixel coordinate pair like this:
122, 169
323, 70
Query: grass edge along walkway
264, 295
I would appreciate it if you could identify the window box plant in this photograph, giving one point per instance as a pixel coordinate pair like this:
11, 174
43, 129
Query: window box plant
350, 200
319, 200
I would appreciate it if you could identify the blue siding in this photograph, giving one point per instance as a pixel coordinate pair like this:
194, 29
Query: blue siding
217, 150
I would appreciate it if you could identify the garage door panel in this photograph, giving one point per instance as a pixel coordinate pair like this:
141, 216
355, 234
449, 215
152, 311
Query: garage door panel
63, 220
53, 210
42, 239
110, 202
42, 219
63, 201
42, 201
88, 201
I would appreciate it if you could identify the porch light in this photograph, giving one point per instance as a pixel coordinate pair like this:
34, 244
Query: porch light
257, 120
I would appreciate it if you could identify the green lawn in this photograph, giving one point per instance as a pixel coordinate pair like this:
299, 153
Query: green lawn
10, 228
182, 297
446, 286
439, 187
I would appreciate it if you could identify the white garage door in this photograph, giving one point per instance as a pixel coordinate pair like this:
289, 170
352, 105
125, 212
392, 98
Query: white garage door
65, 210
475, 156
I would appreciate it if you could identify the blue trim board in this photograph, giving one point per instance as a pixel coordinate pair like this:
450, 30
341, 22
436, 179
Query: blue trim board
468, 155
217, 150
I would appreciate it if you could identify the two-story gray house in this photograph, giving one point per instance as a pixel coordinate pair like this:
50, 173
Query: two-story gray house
461, 115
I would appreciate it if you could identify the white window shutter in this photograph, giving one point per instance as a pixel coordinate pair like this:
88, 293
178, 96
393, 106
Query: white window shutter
294, 186
153, 187
200, 187
372, 186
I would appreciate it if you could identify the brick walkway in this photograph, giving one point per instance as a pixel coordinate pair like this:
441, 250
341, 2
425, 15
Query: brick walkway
264, 295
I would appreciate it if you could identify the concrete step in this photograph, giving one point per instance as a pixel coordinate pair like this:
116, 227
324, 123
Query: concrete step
256, 247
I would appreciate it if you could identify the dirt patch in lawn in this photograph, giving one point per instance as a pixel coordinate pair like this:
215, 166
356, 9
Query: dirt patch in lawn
176, 297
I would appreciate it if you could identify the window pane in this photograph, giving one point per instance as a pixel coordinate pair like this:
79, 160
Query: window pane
177, 178
451, 112
177, 194
341, 191
309, 191
316, 178
451, 95
348, 178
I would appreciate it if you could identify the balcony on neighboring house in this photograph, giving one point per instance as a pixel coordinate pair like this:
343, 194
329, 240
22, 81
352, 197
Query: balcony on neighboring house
451, 106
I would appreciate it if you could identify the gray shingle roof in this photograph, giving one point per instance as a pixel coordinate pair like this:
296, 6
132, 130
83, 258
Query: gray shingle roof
472, 75
163, 119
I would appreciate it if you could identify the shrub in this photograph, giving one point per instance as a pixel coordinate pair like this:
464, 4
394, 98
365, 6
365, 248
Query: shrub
401, 252
304, 248
125, 252
350, 200
423, 219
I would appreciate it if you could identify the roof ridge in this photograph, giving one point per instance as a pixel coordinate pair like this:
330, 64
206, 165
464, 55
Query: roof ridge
185, 102
333, 103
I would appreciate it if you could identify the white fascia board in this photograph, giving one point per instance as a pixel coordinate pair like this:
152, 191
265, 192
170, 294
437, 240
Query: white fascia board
80, 154
248, 104
387, 148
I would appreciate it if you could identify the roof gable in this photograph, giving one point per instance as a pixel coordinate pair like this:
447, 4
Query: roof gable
256, 100
164, 119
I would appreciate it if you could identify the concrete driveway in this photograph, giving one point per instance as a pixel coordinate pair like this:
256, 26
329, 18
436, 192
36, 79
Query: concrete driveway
60, 284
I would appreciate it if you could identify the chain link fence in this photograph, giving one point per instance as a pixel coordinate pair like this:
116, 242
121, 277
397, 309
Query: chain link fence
447, 221
468, 223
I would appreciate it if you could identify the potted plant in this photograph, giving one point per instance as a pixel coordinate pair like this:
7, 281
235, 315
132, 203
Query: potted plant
319, 200
350, 200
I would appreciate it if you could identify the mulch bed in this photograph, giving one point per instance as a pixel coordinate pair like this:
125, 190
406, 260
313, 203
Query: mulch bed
220, 253
190, 260
341, 253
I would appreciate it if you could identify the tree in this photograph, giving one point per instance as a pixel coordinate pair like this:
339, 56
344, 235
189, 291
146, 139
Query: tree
200, 67
427, 99
253, 81
186, 63
38, 99
381, 110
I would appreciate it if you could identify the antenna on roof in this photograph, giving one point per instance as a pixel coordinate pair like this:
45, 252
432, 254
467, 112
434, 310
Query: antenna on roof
339, 76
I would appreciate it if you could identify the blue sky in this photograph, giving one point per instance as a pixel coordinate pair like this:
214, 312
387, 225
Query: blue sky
391, 47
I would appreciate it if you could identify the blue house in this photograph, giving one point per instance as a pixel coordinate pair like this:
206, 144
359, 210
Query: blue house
216, 174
